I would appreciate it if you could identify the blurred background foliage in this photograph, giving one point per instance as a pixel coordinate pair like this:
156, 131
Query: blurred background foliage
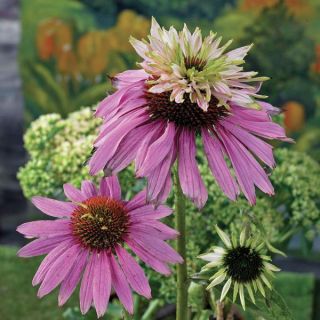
70, 47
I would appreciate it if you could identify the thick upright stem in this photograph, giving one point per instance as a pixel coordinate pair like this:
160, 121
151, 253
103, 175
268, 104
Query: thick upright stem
182, 276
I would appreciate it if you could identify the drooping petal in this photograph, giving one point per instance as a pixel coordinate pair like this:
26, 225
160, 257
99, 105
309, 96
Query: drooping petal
120, 285
128, 77
133, 272
59, 270
266, 129
73, 193
214, 152
88, 189
110, 186
155, 132
262, 149
101, 282
54, 208
45, 228
110, 143
158, 179
190, 179
70, 282
248, 171
161, 148
127, 150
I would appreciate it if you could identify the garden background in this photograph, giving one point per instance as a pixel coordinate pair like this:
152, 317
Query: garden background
57, 57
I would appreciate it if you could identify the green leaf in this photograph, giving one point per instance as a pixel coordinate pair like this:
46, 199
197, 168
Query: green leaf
92, 95
272, 307
197, 296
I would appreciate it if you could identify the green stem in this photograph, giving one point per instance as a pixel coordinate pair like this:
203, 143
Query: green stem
182, 276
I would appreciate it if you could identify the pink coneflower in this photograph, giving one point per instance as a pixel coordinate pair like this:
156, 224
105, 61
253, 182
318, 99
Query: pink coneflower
188, 88
87, 241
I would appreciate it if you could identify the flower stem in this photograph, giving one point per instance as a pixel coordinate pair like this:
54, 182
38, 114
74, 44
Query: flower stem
182, 276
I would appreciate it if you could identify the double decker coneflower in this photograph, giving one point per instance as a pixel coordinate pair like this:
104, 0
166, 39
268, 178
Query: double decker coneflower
88, 243
188, 87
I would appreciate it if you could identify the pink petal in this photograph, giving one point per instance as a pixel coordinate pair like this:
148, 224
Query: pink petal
110, 187
88, 189
130, 76
247, 169
130, 108
158, 150
41, 246
110, 143
133, 272
149, 212
165, 191
190, 179
137, 201
45, 228
53, 207
111, 102
250, 114
148, 258
158, 248
49, 260
159, 181
218, 166
101, 282
121, 286
59, 270
135, 103
270, 109
70, 282
155, 132
163, 228
127, 150
86, 288
268, 130
145, 229
73, 193
256, 145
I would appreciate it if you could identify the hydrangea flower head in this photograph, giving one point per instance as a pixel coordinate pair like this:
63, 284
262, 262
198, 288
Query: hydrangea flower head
185, 64
242, 264
154, 118
86, 244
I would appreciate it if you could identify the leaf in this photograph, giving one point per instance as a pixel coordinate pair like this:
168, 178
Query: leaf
49, 84
92, 95
197, 296
272, 307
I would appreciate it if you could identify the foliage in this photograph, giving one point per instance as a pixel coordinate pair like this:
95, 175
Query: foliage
294, 208
58, 149
297, 290
183, 9
69, 67
309, 142
283, 52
